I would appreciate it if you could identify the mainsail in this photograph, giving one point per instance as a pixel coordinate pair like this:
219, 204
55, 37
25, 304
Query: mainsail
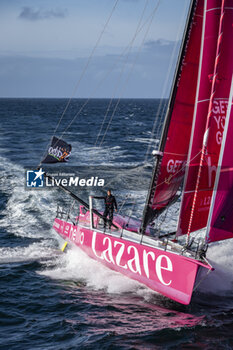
220, 223
169, 170
216, 67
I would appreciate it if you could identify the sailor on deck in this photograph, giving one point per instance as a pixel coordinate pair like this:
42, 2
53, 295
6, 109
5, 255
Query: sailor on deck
110, 205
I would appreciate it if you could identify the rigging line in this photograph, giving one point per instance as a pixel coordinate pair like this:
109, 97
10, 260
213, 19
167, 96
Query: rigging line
179, 34
123, 203
108, 73
138, 169
132, 67
162, 221
131, 212
87, 63
162, 105
70, 208
181, 169
83, 73
122, 70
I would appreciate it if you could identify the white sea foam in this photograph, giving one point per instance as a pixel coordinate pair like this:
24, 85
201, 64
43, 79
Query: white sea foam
25, 209
144, 140
220, 281
84, 155
25, 215
76, 265
32, 252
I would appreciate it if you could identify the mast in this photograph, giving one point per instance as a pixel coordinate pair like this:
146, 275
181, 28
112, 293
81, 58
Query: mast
148, 213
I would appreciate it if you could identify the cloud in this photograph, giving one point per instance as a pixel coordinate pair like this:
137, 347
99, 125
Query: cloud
32, 14
159, 44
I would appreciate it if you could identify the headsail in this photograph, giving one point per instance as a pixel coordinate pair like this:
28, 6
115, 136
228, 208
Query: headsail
220, 223
210, 112
59, 151
174, 144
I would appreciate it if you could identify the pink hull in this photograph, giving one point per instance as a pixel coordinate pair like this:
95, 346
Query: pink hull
168, 273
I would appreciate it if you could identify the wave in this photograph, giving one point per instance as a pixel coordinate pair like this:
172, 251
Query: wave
75, 265
27, 215
33, 252
220, 281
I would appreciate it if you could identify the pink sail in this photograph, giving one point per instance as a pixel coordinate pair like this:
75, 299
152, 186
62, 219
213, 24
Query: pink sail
213, 91
220, 224
169, 172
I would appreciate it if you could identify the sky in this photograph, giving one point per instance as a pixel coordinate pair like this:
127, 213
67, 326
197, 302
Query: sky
49, 47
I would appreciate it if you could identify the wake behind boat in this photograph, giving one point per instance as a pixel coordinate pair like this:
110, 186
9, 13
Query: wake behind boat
194, 154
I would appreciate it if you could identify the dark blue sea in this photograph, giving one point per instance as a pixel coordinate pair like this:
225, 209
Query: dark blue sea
54, 300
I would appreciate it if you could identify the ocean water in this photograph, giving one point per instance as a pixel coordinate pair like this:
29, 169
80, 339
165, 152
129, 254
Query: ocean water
54, 300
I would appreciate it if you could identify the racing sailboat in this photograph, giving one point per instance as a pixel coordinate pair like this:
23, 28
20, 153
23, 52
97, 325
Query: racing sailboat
194, 154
